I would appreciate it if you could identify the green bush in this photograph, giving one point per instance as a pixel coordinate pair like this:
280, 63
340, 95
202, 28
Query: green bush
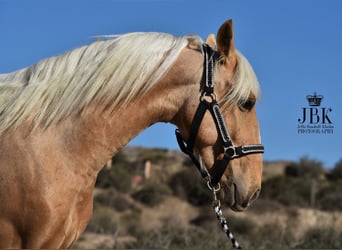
188, 184
288, 191
306, 167
118, 176
336, 173
106, 197
152, 193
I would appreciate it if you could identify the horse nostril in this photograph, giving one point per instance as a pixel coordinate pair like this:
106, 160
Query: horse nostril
253, 197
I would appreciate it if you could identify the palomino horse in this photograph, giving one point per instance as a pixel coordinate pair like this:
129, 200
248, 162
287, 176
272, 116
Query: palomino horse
64, 117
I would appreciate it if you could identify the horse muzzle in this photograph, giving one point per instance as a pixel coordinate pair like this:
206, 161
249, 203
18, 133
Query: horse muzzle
239, 200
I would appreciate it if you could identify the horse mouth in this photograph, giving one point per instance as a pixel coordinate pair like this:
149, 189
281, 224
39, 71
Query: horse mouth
230, 198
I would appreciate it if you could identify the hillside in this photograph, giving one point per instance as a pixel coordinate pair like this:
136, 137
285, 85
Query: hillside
168, 206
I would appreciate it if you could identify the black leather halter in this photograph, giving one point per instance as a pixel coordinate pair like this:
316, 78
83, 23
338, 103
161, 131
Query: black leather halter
208, 102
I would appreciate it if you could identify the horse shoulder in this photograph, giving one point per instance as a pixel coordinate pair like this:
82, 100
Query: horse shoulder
45, 202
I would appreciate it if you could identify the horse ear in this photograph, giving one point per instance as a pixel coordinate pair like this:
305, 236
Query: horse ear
211, 41
225, 39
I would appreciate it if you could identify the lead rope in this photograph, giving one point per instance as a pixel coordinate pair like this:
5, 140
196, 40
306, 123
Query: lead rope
222, 220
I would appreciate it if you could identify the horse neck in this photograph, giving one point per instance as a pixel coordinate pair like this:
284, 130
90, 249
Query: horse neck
100, 134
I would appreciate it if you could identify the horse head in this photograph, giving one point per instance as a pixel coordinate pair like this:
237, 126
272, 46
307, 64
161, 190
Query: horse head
234, 96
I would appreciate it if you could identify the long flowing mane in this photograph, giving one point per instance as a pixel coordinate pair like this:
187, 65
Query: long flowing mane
110, 72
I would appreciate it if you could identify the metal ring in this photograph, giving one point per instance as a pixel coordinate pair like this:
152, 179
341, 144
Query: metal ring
214, 189
231, 152
212, 97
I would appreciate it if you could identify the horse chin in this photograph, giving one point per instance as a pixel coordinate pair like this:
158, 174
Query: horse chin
237, 208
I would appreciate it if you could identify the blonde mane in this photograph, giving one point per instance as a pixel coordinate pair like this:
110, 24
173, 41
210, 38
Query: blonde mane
111, 72
245, 83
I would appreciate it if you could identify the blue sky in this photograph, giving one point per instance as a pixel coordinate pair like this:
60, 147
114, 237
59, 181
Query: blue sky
294, 46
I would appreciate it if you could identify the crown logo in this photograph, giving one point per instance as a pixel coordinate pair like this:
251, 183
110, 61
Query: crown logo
314, 100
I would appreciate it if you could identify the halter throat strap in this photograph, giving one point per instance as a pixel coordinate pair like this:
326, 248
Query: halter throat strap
208, 103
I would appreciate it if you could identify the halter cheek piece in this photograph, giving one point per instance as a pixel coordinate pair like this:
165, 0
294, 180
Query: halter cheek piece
208, 102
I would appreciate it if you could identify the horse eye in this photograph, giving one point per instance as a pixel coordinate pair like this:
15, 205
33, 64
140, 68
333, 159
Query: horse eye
222, 61
246, 106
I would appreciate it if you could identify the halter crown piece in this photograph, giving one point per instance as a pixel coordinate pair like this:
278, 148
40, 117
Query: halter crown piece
208, 102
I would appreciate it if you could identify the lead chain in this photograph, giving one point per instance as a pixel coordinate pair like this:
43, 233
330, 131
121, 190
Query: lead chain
221, 218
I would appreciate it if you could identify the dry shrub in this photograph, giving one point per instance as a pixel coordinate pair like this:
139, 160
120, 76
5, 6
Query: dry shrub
321, 238
330, 197
115, 200
130, 222
173, 236
104, 221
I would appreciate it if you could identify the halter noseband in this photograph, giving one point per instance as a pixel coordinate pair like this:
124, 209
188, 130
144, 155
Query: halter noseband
208, 102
